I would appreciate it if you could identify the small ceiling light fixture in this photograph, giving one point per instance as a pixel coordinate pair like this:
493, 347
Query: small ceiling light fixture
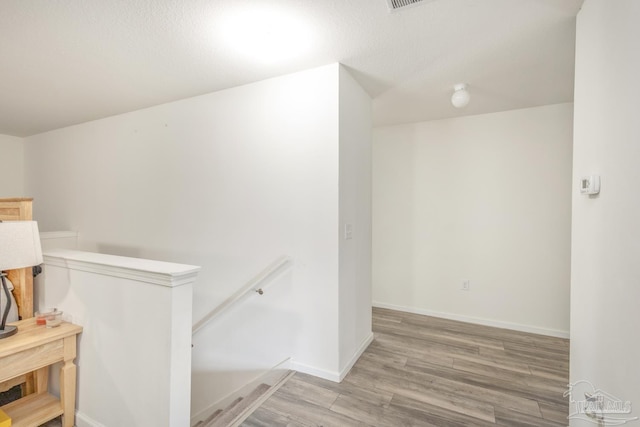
460, 97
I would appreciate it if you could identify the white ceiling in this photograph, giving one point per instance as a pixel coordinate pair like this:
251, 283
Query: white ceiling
69, 61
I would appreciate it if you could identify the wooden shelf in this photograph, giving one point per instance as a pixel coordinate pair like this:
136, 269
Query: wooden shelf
33, 410
33, 349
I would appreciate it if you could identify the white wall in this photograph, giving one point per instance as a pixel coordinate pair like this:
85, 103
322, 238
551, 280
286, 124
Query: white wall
481, 198
605, 273
230, 181
355, 211
12, 155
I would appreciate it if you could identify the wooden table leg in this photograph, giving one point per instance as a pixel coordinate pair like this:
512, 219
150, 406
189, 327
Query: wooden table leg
68, 383
29, 386
41, 380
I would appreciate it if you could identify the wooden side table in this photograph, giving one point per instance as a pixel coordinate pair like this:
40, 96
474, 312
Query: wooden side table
35, 348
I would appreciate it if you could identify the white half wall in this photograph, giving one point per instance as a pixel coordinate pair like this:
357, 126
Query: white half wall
605, 272
12, 155
482, 198
134, 353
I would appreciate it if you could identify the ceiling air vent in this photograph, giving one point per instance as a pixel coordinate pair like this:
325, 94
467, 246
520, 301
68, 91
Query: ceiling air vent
398, 4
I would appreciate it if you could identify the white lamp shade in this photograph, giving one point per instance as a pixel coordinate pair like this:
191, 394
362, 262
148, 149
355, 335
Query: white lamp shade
19, 245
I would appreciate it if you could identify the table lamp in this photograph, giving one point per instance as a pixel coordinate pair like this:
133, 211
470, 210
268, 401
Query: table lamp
19, 248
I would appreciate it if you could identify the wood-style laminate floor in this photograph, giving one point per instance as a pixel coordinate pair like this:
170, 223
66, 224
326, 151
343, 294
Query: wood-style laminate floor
426, 371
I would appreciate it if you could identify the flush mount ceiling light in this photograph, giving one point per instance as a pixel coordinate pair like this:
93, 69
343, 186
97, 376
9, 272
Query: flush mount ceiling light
460, 97
266, 35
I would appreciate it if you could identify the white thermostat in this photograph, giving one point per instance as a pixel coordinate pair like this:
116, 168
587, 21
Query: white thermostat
590, 184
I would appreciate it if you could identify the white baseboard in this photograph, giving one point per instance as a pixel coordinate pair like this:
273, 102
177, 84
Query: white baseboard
316, 372
363, 346
334, 376
479, 321
85, 421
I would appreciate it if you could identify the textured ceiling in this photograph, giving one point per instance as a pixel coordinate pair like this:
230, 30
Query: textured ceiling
69, 61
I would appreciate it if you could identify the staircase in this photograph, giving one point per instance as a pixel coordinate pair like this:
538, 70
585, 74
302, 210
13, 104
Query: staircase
242, 407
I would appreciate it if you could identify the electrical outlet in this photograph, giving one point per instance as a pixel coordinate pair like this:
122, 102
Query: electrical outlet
348, 231
465, 285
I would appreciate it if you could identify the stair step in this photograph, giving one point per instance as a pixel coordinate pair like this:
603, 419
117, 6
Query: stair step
214, 415
239, 406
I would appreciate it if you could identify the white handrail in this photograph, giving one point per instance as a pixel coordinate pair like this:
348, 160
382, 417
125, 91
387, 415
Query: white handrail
266, 275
